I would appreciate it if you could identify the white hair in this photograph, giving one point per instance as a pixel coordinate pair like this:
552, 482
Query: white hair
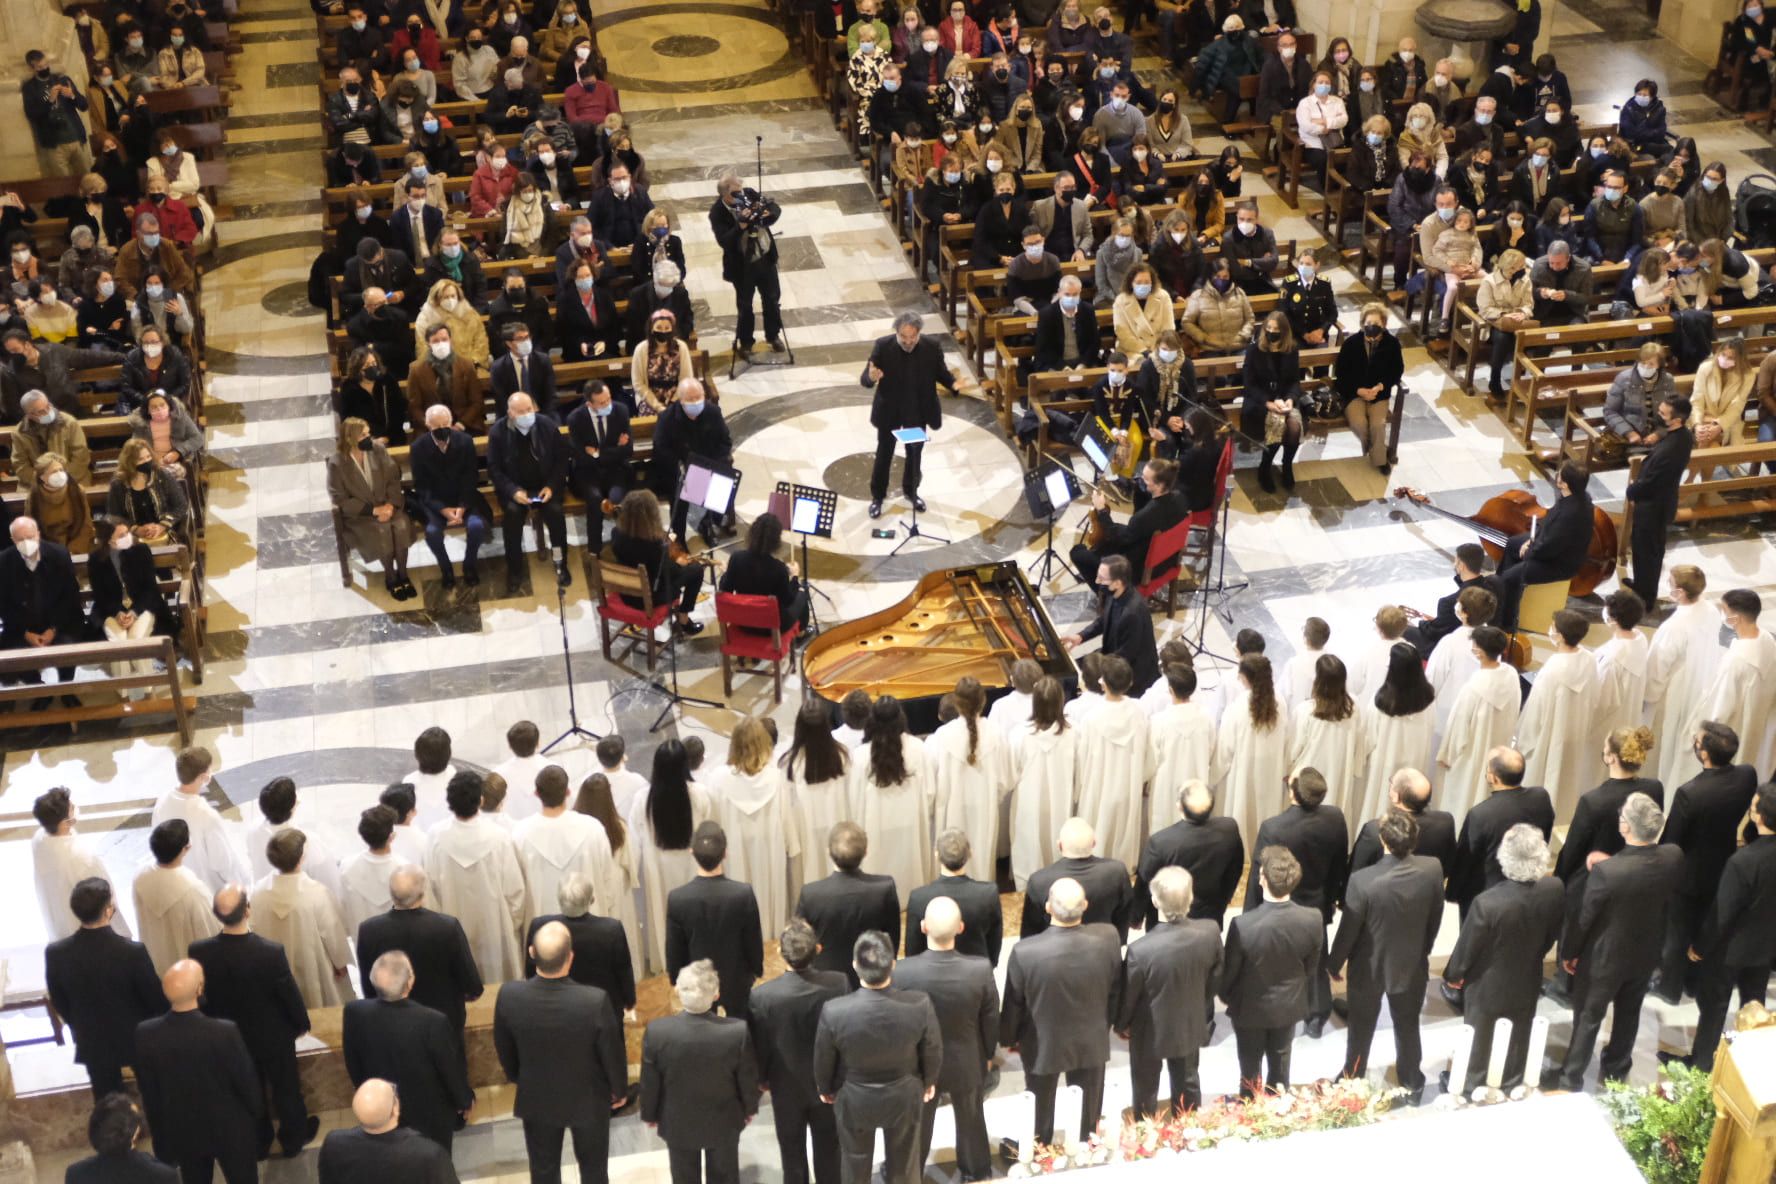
391, 974
698, 986
1644, 818
1066, 901
1173, 890
575, 895
1523, 853
438, 416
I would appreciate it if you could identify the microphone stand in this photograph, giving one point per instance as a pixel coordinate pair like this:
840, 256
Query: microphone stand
573, 712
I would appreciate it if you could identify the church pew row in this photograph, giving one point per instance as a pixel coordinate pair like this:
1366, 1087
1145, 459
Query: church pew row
108, 687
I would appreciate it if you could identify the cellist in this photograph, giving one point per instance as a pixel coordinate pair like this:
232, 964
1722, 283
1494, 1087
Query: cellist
1554, 549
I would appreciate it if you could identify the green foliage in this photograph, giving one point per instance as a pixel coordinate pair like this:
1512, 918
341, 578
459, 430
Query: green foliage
1665, 1127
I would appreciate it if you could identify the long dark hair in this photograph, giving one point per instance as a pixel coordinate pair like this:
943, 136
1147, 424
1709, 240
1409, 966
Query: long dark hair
1332, 701
1261, 700
812, 747
765, 534
1406, 690
594, 801
669, 797
887, 755
971, 700
1048, 705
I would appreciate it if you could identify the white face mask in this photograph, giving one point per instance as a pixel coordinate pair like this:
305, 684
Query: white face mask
1406, 55
548, 159
449, 303
583, 52
1440, 80
1168, 356
124, 542
27, 548
1077, 113
1248, 228
1122, 242
620, 187
57, 480
152, 349
994, 165
1178, 237
1647, 370
440, 350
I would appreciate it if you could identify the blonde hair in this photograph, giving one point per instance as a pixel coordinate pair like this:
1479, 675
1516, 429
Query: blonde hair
135, 454
1652, 351
1689, 579
1374, 308
1509, 261
749, 748
1630, 746
349, 429
1379, 125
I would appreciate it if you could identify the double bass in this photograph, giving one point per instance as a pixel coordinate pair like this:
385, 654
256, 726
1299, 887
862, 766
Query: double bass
1511, 513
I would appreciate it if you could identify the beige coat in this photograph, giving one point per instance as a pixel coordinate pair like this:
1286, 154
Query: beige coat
1499, 296
1139, 325
355, 496
1721, 397
65, 437
468, 333
169, 63
1218, 322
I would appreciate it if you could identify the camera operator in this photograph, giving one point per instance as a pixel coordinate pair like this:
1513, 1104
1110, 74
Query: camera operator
741, 220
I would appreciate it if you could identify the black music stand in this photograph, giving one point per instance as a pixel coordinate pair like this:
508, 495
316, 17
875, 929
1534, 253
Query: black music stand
1048, 490
709, 485
912, 528
807, 510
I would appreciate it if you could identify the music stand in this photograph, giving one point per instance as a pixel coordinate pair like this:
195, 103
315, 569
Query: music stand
1048, 490
910, 436
710, 485
807, 510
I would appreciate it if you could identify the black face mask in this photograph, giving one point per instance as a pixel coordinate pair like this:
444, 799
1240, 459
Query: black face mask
659, 336
43, 72
367, 445
1372, 331
1023, 117
441, 435
515, 295
1166, 106
351, 88
157, 198
1273, 335
373, 372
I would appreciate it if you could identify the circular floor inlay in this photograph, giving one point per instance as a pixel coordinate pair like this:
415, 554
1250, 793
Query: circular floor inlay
685, 45
289, 300
849, 476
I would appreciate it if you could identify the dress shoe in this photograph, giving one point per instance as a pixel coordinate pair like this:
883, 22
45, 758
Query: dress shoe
1673, 999
447, 576
776, 344
688, 628
1415, 1097
1677, 1058
1443, 1081
1267, 478
875, 509
1556, 991
564, 575
1288, 474
1554, 1078
514, 585
471, 575
1341, 1007
1450, 995
1315, 1027
743, 350
309, 1131
918, 502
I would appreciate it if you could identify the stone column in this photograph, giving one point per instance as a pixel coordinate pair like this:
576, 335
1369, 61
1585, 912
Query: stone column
1695, 25
26, 25
1376, 26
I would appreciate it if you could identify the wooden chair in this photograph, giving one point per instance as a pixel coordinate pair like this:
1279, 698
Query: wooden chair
1535, 612
616, 581
752, 628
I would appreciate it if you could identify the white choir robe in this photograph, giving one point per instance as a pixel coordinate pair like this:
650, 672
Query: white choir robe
849, 737
1681, 660
758, 813
1339, 749
216, 856
1558, 732
520, 773
1368, 670
1080, 707
411, 844
59, 862
616, 898
476, 877
1156, 698
1116, 761
1011, 712
1395, 742
1743, 697
1046, 766
1621, 682
818, 807
662, 871
1183, 739
364, 888
317, 860
1451, 665
626, 786
967, 797
1296, 681
1250, 765
296, 911
428, 796
551, 849
173, 910
1483, 717
897, 818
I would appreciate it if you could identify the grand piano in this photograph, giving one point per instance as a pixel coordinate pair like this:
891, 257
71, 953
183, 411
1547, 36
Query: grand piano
964, 621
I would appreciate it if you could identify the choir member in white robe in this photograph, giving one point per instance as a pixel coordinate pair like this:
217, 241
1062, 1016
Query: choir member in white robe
493, 802
661, 823
1326, 733
1400, 716
1116, 761
970, 767
1220, 698
431, 780
625, 784
1251, 751
477, 878
172, 905
892, 798
364, 879
410, 843
1295, 683
1558, 734
1183, 740
293, 909
1091, 689
1681, 661
1483, 717
1011, 712
1743, 695
1454, 664
61, 859
555, 843
1369, 667
521, 769
1045, 765
1157, 697
278, 809
1621, 664
753, 805
854, 717
217, 857
818, 769
615, 895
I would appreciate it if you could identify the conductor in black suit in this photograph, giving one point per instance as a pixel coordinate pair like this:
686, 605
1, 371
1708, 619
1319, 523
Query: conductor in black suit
1392, 911
1497, 960
447, 482
1165, 508
849, 902
983, 918
1654, 494
1168, 995
717, 919
1408, 790
1061, 996
1561, 541
247, 980
878, 1055
603, 453
601, 948
699, 1081
1314, 833
381, 1149
1476, 866
103, 985
395, 1039
1613, 949
1105, 882
112, 1129
1737, 945
199, 1089
966, 999
1206, 846
784, 1015
904, 369
522, 368
560, 1044
527, 458
445, 977
1272, 955
1124, 622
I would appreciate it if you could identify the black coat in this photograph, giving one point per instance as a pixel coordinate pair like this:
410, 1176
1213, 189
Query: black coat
1436, 838
601, 955
1594, 822
103, 984
1704, 821
843, 907
32, 601
1498, 957
1476, 866
1062, 993
1133, 538
1210, 850
678, 437
611, 468
616, 220
1358, 366
1316, 838
784, 1015
1272, 954
390, 331
1126, 625
1737, 929
983, 918
644, 302
876, 1038
906, 394
1621, 925
699, 1078
560, 1044
716, 918
1310, 306
132, 1167
247, 981
444, 972
1444, 621
199, 1088
448, 477
1270, 376
1108, 898
505, 443
1654, 492
750, 574
1051, 326
1563, 537
411, 1045
137, 582
732, 236
966, 999
576, 333
1169, 988
355, 1156
1392, 911
502, 376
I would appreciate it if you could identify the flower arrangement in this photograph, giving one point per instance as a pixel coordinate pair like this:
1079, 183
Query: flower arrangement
1665, 1126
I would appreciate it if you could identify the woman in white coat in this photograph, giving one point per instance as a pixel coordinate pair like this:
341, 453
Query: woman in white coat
1326, 733
661, 823
614, 893
1402, 724
1251, 750
970, 767
1045, 764
817, 768
891, 795
753, 805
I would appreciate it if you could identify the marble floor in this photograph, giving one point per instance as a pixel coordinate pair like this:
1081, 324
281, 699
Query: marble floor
330, 684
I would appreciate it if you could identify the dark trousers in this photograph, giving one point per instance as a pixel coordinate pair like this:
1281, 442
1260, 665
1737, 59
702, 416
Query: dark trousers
974, 1158
239, 1166
1319, 985
64, 673
1515, 573
513, 527
1091, 1107
692, 1163
1403, 1008
106, 1075
797, 1121
1683, 918
279, 1078
760, 278
542, 1146
1647, 537
594, 492
1263, 1057
1085, 563
1504, 348
862, 1109
474, 524
1481, 1056
1591, 998
1714, 990
1181, 1074
909, 477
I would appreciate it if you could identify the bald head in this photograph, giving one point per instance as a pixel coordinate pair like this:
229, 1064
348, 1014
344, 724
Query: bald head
376, 1107
1076, 839
182, 984
230, 906
943, 921
1410, 790
1196, 800
1066, 902
407, 886
552, 948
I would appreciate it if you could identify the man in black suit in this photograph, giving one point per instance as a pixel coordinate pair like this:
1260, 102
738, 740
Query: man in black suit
1314, 833
983, 918
1392, 910
1206, 846
1123, 621
1408, 790
717, 919
199, 1089
447, 482
966, 999
1272, 955
1497, 960
445, 977
385, 325
691, 426
1737, 944
113, 1129
784, 1015
395, 1039
1061, 997
1555, 550
1168, 995
387, 268
1166, 507
381, 1150
904, 369
523, 369
1470, 572
1062, 331
1476, 864
601, 948
1109, 898
247, 981
602, 451
527, 459
560, 1044
1654, 494
1703, 823
849, 902
1613, 948
699, 1081
102, 984
878, 1055
39, 597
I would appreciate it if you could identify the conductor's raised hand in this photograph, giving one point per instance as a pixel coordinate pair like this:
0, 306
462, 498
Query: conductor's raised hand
875, 372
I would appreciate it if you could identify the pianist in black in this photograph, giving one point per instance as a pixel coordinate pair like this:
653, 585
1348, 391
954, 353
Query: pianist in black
756, 571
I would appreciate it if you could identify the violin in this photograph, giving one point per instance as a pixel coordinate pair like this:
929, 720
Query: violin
1511, 513
676, 552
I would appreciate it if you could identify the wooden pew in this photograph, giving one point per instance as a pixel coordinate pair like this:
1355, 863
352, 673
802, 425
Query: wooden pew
1700, 498
14, 663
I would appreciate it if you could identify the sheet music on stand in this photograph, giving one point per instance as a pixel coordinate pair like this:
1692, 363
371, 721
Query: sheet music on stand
709, 485
805, 509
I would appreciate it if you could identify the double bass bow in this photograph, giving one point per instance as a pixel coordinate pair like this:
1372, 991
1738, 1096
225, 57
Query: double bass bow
1511, 513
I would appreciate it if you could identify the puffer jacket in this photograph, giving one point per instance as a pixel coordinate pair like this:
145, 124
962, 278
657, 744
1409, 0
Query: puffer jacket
1216, 321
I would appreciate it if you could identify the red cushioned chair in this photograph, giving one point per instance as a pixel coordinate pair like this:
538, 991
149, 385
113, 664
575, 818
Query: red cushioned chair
1205, 520
616, 581
752, 628
1165, 552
